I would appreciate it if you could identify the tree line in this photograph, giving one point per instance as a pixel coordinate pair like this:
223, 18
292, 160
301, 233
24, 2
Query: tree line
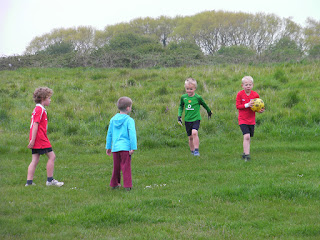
205, 38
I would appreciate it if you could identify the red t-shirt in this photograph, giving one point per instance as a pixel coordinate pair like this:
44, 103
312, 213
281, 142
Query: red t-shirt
39, 115
246, 115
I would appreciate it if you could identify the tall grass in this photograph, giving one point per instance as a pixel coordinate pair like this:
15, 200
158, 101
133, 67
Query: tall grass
175, 196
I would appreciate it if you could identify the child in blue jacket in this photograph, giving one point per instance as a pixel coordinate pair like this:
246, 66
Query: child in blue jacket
122, 142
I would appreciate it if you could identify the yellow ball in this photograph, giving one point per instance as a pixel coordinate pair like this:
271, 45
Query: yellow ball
258, 104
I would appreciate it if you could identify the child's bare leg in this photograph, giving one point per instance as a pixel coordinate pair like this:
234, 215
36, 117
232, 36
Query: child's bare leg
195, 139
191, 143
246, 144
50, 164
32, 166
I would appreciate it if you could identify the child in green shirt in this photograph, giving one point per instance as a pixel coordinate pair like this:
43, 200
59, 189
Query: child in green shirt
191, 102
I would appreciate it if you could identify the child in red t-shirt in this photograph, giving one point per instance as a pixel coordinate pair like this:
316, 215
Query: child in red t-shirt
247, 117
39, 142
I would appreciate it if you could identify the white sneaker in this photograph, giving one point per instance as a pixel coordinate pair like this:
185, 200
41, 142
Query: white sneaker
33, 184
54, 183
196, 153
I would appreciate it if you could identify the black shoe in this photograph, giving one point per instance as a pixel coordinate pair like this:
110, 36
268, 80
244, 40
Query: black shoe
243, 156
247, 158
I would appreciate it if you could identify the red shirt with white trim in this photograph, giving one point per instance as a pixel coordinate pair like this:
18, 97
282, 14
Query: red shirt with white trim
39, 115
246, 115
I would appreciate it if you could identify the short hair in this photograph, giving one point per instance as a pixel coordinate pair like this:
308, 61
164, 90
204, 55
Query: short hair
191, 81
247, 78
123, 103
41, 94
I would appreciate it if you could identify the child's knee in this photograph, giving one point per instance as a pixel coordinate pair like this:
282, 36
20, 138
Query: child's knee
51, 157
246, 137
33, 164
194, 133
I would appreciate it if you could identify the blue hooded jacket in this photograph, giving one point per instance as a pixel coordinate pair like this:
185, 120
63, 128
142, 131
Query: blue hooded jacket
121, 133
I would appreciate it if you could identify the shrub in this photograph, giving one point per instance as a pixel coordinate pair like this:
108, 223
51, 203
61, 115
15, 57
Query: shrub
283, 51
129, 41
59, 48
186, 50
314, 52
236, 54
150, 48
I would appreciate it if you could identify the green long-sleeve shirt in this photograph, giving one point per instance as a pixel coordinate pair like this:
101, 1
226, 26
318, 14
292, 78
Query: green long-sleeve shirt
192, 107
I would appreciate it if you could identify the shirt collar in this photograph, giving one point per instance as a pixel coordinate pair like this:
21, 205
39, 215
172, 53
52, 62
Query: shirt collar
40, 105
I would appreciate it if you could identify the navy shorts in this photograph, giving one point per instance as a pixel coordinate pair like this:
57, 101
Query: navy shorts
41, 151
192, 125
247, 129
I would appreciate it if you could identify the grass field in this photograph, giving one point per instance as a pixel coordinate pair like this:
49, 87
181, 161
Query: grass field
175, 195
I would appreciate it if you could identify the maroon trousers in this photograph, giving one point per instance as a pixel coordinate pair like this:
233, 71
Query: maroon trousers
121, 162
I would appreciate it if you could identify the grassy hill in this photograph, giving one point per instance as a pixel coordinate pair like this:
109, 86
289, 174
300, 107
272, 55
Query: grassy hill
175, 195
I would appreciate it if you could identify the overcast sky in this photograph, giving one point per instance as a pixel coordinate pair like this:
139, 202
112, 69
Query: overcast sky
23, 20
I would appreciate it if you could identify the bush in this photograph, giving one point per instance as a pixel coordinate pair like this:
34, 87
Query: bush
181, 54
188, 50
314, 52
129, 41
283, 51
149, 48
59, 48
236, 54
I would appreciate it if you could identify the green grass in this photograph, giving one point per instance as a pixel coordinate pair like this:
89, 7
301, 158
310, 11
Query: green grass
175, 195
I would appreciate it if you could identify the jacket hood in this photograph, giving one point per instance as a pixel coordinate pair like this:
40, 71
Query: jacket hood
119, 119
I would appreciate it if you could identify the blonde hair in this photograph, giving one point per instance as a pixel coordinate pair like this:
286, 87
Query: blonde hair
249, 78
41, 94
123, 103
190, 81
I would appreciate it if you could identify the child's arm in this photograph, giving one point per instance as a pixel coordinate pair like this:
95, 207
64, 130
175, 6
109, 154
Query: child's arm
240, 105
181, 106
132, 135
34, 134
108, 152
203, 103
109, 137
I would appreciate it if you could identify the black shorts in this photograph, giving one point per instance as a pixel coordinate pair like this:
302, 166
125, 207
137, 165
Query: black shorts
192, 125
41, 151
247, 129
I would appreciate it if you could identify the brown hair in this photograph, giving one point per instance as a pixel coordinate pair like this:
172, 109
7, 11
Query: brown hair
41, 94
123, 103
